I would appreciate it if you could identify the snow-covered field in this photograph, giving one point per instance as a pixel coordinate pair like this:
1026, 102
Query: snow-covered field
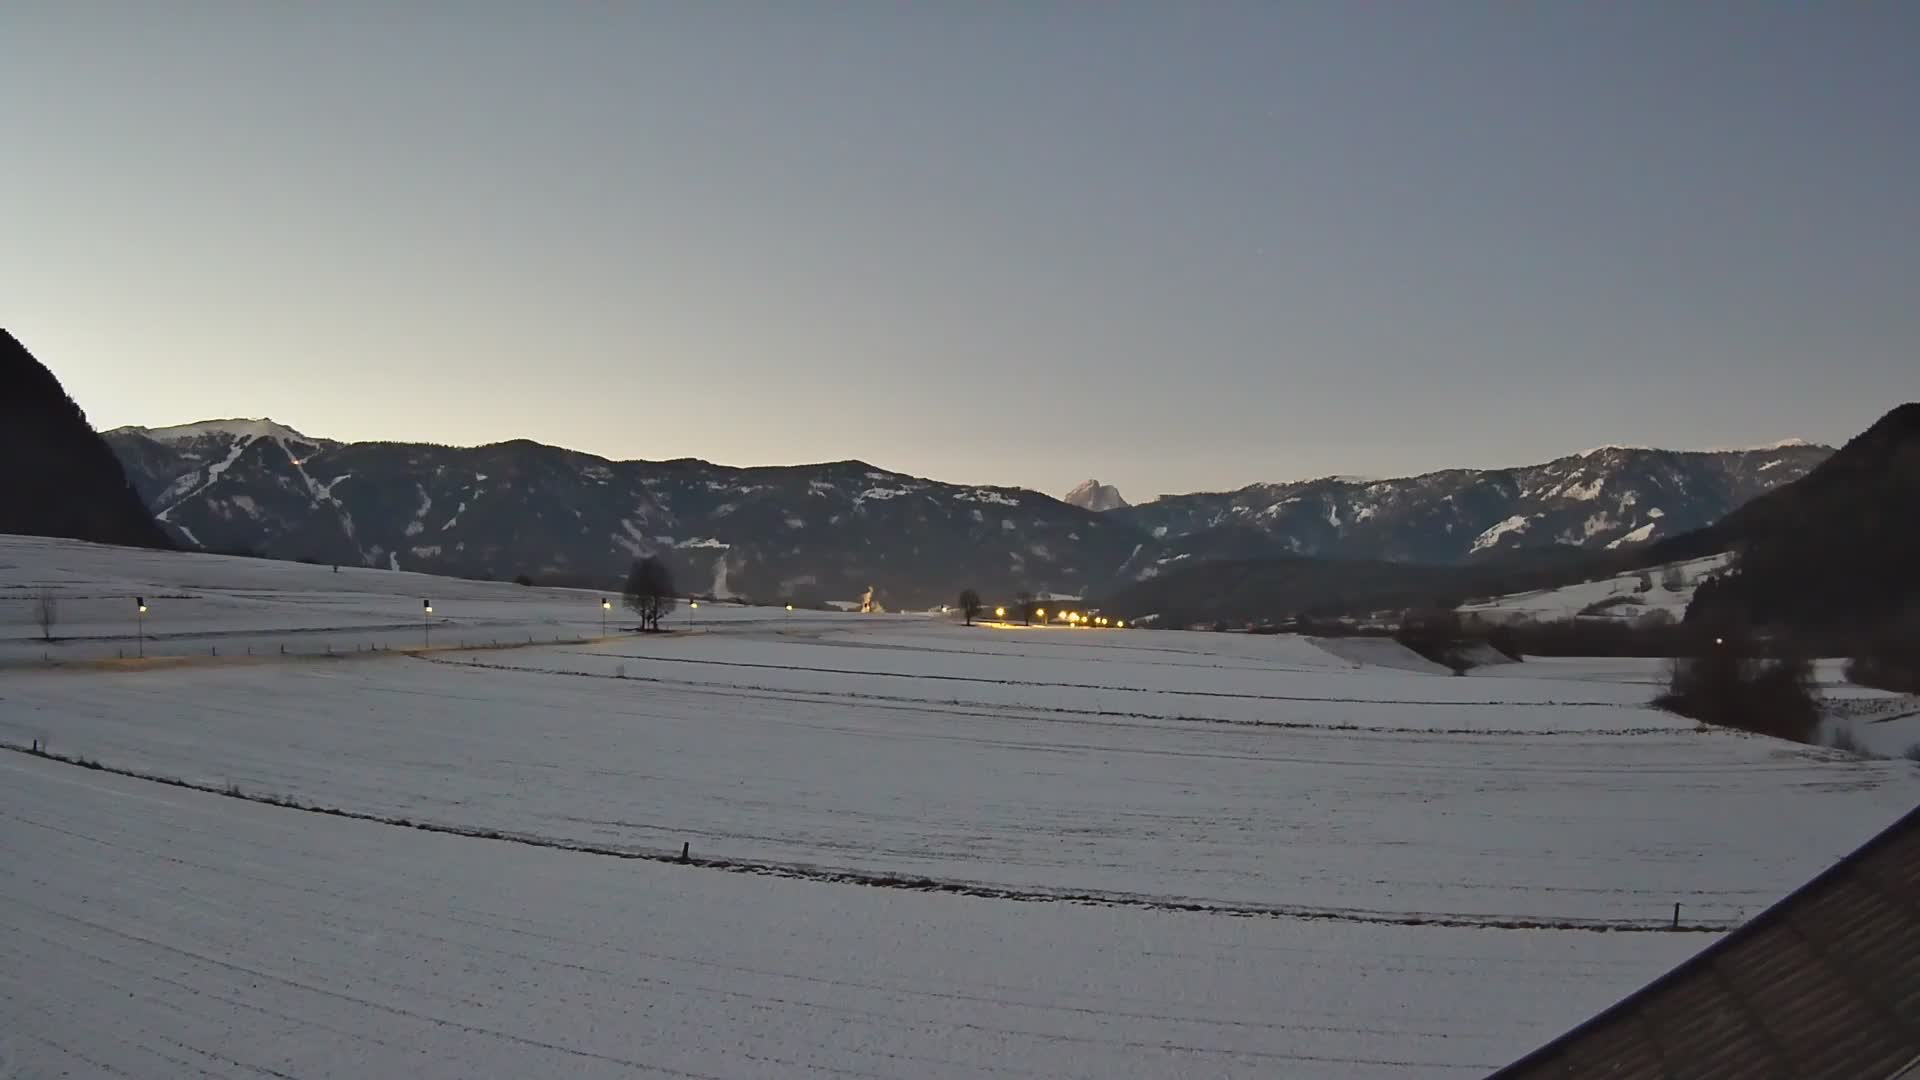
160, 932
202, 605
922, 849
1622, 596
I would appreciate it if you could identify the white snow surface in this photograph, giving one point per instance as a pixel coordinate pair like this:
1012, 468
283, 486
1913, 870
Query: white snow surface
161, 932
1568, 601
1487, 539
1136, 853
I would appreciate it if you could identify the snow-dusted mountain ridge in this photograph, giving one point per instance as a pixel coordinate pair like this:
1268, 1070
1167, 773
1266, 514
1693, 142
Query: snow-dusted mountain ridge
827, 531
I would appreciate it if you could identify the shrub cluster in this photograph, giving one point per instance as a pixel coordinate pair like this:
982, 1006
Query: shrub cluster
1726, 683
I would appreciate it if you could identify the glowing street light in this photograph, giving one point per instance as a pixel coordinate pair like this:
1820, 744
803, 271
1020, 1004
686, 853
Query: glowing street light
426, 623
605, 606
1040, 613
1119, 624
999, 613
140, 612
693, 608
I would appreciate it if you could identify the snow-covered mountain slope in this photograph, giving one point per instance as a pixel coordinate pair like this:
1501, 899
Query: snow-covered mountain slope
1096, 496
1623, 598
829, 531
1607, 498
803, 533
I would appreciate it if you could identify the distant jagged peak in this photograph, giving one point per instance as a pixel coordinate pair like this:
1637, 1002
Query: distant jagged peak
1096, 496
238, 428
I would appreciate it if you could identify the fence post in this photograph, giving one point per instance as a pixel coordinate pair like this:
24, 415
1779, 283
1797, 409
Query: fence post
1676, 915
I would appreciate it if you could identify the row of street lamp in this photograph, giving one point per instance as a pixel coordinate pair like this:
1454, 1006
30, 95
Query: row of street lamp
1071, 618
426, 619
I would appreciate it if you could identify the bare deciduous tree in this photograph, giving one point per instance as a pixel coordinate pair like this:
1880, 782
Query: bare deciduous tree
1673, 580
1025, 605
970, 605
649, 592
46, 612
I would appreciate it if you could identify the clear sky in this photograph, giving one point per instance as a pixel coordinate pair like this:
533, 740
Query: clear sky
1174, 246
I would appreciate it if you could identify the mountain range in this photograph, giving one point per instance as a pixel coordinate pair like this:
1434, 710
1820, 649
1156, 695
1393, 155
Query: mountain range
815, 533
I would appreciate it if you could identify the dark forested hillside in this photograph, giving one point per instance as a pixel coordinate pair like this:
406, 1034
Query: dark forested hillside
1834, 552
59, 477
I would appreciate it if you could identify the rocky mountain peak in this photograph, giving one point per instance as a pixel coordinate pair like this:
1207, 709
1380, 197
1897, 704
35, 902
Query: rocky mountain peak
1096, 496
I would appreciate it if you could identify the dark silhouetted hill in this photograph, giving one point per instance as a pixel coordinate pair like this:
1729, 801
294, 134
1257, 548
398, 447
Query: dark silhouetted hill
1833, 552
57, 477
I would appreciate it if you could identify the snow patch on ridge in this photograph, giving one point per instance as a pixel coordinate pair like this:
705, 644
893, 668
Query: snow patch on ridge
1487, 539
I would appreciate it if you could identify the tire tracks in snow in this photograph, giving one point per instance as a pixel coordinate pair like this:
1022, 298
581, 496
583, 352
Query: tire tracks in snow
1230, 694
920, 883
827, 696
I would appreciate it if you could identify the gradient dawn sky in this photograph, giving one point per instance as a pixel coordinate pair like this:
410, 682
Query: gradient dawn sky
1172, 246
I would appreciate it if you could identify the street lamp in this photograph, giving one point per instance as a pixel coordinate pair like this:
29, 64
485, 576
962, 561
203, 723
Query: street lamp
605, 606
1041, 614
999, 613
426, 623
693, 606
140, 611
1119, 624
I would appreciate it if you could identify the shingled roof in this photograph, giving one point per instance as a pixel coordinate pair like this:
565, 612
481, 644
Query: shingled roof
1823, 984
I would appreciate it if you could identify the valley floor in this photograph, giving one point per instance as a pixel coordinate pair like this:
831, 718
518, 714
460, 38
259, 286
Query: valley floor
921, 849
